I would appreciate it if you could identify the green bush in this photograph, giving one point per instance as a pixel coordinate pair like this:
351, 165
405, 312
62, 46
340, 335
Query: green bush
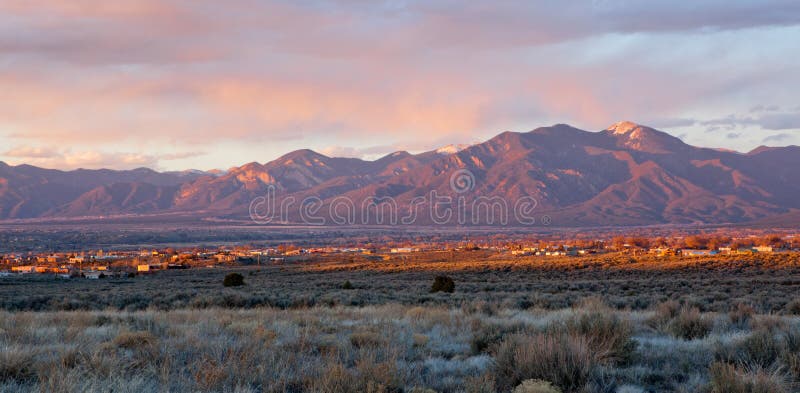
233, 280
443, 284
347, 285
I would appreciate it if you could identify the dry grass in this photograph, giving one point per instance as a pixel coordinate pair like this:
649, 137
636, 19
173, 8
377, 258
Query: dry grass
389, 348
727, 378
292, 328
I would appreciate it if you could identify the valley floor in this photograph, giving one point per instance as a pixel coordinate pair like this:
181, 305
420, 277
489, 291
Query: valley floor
596, 324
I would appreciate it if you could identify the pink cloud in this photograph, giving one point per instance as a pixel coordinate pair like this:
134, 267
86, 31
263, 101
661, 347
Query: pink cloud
131, 76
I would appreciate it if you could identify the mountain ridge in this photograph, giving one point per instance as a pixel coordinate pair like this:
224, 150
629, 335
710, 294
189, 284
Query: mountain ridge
626, 174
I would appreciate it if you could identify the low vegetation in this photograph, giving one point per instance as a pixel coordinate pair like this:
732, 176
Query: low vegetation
767, 284
598, 324
394, 348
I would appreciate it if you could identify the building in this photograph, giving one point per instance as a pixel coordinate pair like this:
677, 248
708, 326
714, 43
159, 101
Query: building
698, 253
23, 269
403, 250
77, 259
764, 249
143, 268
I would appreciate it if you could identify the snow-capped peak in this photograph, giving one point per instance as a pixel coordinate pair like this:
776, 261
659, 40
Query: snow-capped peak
623, 128
451, 148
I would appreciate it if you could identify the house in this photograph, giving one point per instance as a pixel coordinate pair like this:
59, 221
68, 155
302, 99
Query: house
23, 269
403, 250
93, 275
697, 253
224, 258
764, 249
77, 259
143, 268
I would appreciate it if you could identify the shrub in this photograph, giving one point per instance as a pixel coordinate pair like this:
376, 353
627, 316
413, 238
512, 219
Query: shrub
793, 307
233, 280
566, 361
484, 383
443, 284
665, 312
761, 348
366, 339
689, 324
132, 340
16, 366
727, 378
335, 378
791, 353
347, 285
741, 315
607, 334
419, 340
536, 386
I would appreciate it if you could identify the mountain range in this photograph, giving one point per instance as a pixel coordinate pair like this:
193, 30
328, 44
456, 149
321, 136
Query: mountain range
627, 174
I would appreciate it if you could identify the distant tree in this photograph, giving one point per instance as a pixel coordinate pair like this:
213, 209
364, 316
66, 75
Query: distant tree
443, 284
739, 244
233, 280
695, 241
771, 240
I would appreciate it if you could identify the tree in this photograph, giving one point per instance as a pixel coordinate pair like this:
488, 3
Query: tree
443, 284
233, 280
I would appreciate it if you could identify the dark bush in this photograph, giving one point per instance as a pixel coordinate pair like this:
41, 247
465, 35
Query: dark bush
443, 284
347, 285
233, 280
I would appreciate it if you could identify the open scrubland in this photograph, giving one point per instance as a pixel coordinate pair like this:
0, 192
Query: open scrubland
606, 323
396, 348
768, 282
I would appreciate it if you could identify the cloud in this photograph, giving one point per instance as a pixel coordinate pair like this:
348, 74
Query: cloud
769, 120
48, 157
340, 151
778, 138
101, 77
672, 122
780, 121
30, 152
181, 155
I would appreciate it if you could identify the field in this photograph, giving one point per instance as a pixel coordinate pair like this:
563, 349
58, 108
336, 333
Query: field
768, 282
610, 323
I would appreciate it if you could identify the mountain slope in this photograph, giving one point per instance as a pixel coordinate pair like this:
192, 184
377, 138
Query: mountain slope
627, 174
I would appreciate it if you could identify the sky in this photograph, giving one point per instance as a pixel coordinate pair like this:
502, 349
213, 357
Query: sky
204, 84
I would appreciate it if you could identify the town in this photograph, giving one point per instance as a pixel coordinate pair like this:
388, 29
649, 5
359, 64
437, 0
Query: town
98, 264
